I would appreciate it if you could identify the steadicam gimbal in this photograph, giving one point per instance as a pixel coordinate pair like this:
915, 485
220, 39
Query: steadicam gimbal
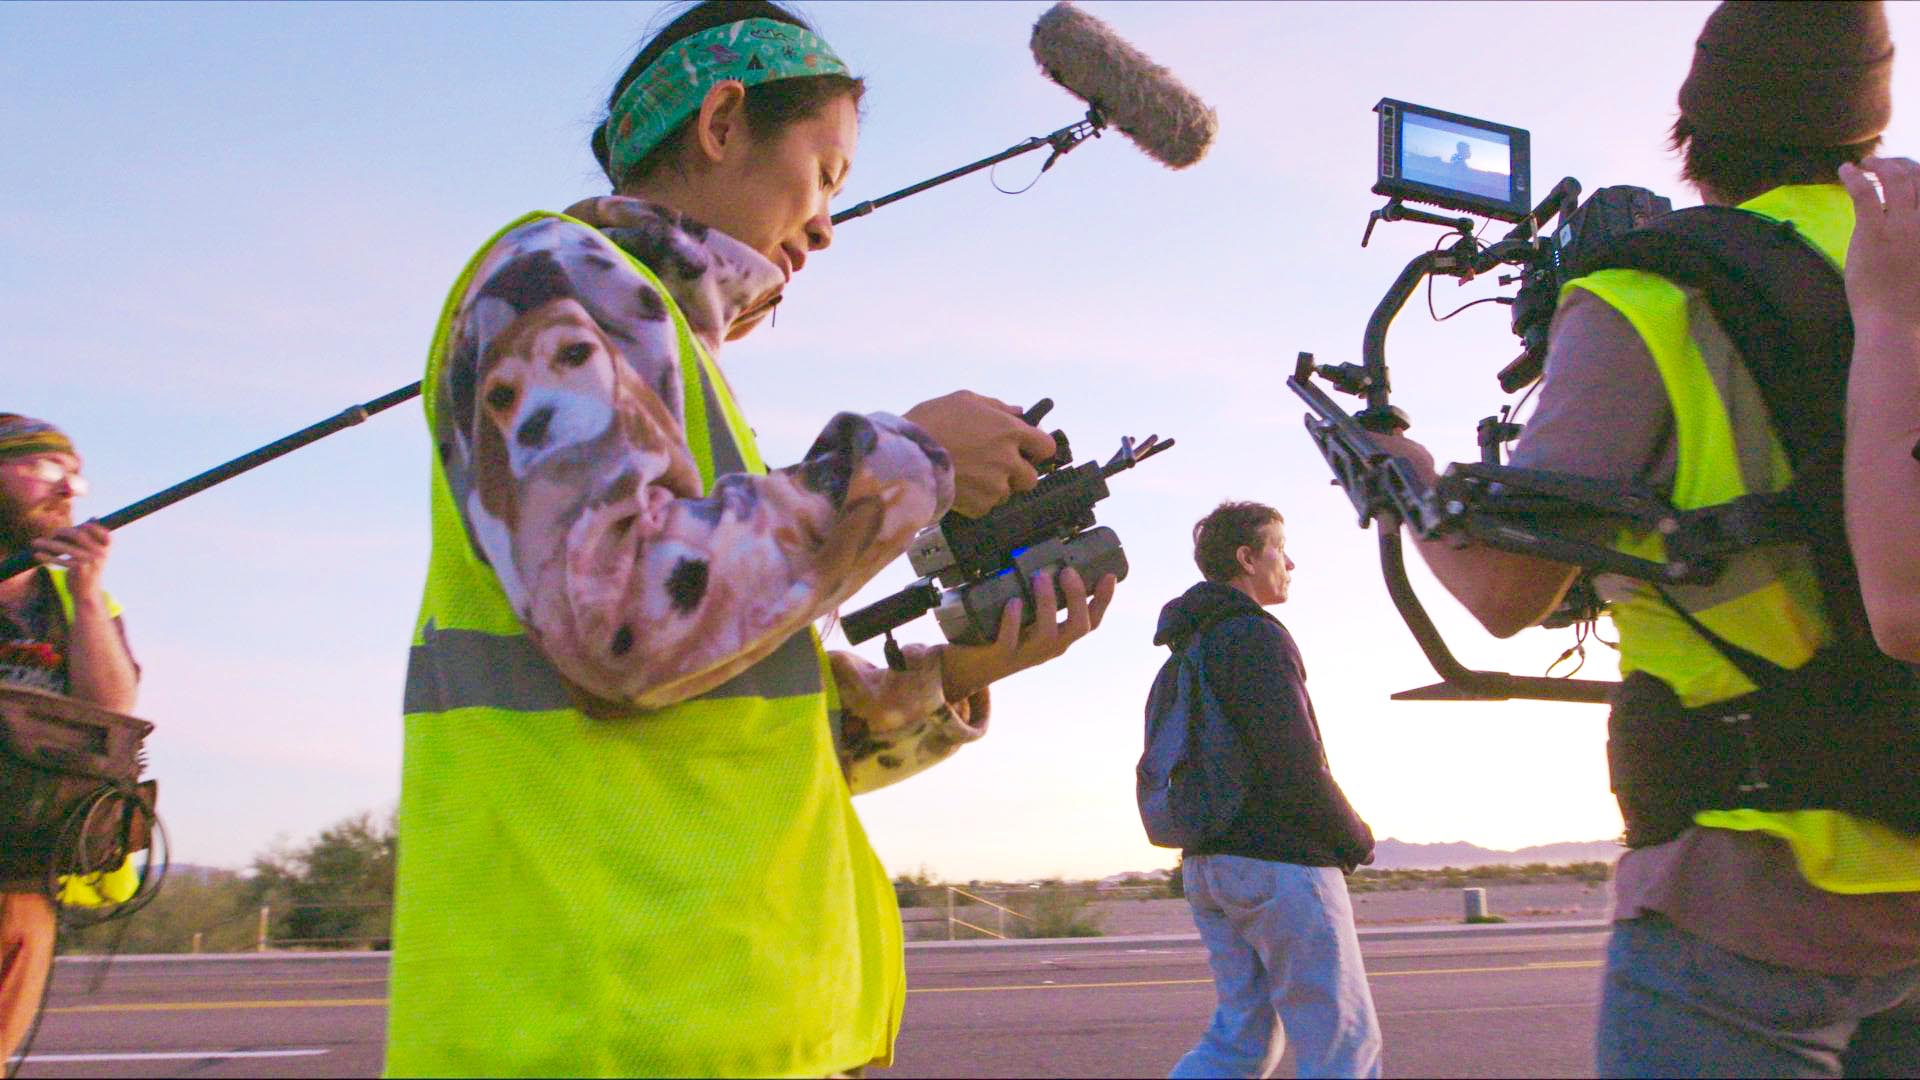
982, 564
1471, 165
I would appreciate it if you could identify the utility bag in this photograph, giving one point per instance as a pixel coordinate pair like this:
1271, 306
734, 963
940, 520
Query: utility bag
1842, 732
1193, 774
74, 803
1833, 734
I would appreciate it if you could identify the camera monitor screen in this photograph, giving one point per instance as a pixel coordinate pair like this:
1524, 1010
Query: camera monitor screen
1457, 162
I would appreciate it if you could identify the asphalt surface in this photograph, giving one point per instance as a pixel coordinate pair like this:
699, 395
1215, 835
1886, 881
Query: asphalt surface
1492, 1002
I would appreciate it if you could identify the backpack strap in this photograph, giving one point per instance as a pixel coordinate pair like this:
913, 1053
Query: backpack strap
1779, 299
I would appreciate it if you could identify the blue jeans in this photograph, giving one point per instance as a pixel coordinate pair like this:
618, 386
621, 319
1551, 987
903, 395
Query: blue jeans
1286, 961
1675, 1005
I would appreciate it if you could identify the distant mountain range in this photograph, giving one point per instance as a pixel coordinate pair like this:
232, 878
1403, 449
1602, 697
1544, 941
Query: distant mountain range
202, 874
1391, 854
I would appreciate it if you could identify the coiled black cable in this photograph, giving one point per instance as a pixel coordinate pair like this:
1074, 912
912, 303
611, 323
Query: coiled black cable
74, 855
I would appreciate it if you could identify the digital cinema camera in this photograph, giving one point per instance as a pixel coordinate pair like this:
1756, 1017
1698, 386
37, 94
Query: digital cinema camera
983, 564
1480, 168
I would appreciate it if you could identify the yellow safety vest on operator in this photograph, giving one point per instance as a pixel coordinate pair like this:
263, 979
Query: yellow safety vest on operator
1768, 600
680, 892
108, 886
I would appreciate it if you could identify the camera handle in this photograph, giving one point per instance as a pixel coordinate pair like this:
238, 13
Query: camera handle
1395, 210
1062, 142
1465, 259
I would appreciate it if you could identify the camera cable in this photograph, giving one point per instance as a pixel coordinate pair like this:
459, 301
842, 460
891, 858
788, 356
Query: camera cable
71, 851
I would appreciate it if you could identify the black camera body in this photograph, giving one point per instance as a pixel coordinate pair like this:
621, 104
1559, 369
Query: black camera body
1561, 256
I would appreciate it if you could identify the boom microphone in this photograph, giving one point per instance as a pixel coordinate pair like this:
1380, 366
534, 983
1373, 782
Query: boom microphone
1124, 88
1131, 92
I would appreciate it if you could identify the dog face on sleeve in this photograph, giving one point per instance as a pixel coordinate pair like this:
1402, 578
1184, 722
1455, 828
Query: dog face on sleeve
547, 385
552, 391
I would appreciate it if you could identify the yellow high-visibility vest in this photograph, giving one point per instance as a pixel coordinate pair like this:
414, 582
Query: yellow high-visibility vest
682, 892
1768, 600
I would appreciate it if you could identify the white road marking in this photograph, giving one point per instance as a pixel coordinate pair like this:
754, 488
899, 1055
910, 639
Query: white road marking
1469, 1009
175, 1055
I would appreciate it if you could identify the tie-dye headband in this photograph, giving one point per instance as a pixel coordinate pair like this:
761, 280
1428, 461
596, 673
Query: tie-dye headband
662, 97
23, 435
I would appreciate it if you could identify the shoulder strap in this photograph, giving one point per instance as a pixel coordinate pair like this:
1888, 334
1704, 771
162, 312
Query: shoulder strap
1780, 301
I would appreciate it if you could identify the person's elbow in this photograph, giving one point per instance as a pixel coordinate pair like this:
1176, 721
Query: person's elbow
1506, 592
1505, 606
1503, 615
1896, 626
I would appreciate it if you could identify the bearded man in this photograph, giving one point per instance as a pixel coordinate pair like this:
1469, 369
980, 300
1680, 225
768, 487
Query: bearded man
60, 633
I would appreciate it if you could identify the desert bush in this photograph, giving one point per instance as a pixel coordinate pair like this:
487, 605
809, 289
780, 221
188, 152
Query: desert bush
1057, 910
922, 888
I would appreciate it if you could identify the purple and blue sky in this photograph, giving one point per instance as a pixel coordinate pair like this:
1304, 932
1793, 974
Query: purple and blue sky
220, 223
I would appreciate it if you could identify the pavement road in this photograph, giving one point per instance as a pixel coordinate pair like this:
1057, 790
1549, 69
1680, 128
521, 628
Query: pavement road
1496, 1001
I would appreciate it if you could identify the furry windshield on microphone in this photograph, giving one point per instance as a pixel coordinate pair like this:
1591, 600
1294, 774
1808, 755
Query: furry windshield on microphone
1133, 93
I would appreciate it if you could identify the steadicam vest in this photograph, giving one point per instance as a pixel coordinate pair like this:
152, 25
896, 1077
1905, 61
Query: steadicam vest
683, 891
1692, 644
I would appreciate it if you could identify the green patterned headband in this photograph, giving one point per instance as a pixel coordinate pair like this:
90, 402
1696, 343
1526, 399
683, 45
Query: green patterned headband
671, 89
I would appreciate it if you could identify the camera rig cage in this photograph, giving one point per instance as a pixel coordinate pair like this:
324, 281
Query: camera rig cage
1532, 512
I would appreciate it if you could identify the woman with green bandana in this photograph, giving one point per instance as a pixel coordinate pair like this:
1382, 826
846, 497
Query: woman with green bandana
626, 838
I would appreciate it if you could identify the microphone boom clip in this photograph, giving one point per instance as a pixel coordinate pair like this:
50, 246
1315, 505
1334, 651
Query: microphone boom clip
1062, 141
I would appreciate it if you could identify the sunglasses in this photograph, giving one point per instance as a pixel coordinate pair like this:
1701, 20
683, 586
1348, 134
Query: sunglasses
49, 471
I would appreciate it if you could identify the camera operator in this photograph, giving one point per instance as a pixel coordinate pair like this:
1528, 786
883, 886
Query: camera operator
1883, 398
60, 633
1745, 942
1267, 892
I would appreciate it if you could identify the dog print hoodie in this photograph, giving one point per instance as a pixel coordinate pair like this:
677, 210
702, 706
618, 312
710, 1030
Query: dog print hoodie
566, 452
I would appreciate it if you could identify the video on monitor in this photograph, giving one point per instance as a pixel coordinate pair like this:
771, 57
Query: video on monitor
1453, 161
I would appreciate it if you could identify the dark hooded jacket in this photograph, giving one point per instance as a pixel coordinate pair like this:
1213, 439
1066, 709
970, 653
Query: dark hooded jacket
1294, 812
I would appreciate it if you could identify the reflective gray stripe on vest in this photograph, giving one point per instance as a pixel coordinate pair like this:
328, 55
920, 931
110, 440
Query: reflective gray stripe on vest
461, 669
464, 669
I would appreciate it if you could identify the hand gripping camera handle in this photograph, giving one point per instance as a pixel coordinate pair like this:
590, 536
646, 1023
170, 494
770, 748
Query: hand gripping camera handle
971, 615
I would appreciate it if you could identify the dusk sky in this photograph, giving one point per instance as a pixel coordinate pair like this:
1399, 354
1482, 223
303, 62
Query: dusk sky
221, 223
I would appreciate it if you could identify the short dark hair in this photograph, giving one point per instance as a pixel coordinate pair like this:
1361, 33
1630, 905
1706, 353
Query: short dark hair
1218, 537
770, 106
1740, 169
